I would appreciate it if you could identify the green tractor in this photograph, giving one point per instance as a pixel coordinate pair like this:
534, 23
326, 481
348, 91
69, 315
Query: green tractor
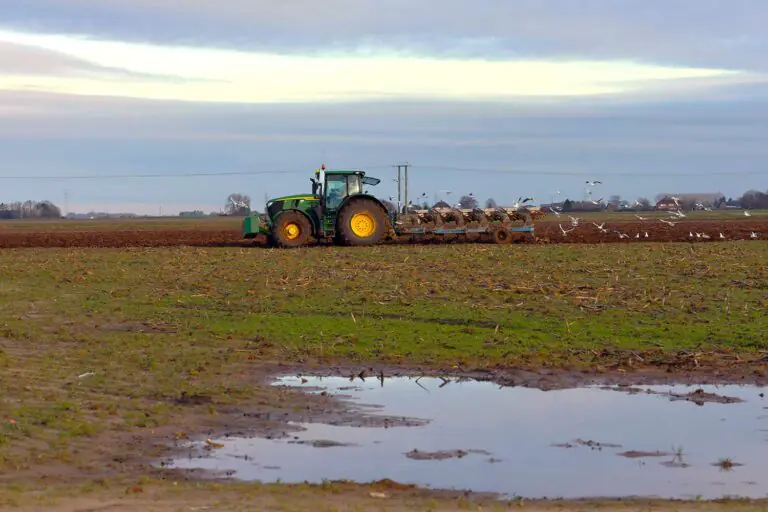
338, 210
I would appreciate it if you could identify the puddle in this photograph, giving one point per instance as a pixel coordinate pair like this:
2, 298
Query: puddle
577, 443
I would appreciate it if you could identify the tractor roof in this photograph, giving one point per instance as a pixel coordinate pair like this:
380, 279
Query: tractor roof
368, 180
344, 171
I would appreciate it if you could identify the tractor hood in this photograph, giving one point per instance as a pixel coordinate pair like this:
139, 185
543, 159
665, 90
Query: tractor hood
295, 197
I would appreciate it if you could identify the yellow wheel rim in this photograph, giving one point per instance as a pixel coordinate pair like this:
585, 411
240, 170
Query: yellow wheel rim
363, 224
292, 231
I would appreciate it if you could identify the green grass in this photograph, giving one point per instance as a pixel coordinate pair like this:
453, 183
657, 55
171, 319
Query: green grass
152, 323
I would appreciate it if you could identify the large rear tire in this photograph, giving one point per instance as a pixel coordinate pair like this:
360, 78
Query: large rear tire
362, 222
291, 229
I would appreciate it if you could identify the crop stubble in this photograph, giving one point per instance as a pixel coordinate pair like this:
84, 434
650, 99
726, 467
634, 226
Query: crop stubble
209, 323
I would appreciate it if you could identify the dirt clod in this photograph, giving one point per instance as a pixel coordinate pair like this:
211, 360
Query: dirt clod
439, 455
637, 454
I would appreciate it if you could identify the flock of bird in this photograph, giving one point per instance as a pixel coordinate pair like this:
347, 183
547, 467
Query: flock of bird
675, 218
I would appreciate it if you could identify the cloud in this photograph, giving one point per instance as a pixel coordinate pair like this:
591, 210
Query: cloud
653, 124
27, 66
18, 59
695, 33
495, 149
249, 77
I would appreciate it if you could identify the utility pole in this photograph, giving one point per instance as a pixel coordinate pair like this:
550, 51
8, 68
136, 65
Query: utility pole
405, 199
402, 185
398, 190
66, 203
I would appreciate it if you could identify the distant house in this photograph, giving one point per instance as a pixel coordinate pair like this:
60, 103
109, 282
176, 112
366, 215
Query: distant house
666, 203
688, 201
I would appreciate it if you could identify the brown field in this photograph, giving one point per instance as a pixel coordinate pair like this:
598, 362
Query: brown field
225, 232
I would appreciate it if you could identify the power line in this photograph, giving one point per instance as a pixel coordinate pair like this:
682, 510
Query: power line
161, 175
507, 171
120, 176
533, 172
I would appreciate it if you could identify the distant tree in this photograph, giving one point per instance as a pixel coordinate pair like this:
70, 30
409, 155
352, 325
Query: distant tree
645, 204
27, 210
754, 199
47, 210
490, 203
30, 210
468, 202
238, 205
615, 201
441, 204
567, 205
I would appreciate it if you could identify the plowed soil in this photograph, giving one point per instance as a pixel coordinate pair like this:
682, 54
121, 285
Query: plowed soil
546, 232
586, 232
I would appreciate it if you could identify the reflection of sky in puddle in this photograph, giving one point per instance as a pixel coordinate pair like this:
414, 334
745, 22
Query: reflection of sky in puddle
518, 426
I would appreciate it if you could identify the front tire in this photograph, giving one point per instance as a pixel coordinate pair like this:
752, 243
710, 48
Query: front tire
362, 222
291, 229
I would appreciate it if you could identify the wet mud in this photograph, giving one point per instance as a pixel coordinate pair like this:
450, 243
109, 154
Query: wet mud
609, 367
442, 454
639, 454
697, 396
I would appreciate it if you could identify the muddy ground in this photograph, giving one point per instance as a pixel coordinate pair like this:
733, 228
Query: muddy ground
126, 454
135, 460
343, 498
298, 406
547, 231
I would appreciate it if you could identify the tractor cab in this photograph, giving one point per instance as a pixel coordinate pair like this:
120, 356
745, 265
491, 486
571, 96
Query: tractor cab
341, 184
338, 186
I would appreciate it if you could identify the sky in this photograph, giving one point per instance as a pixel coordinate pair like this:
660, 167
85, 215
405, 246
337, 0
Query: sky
149, 106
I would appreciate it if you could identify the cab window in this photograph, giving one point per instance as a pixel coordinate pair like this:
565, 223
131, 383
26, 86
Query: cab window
335, 191
353, 184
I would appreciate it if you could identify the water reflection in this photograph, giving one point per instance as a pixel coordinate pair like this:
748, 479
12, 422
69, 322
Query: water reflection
586, 442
